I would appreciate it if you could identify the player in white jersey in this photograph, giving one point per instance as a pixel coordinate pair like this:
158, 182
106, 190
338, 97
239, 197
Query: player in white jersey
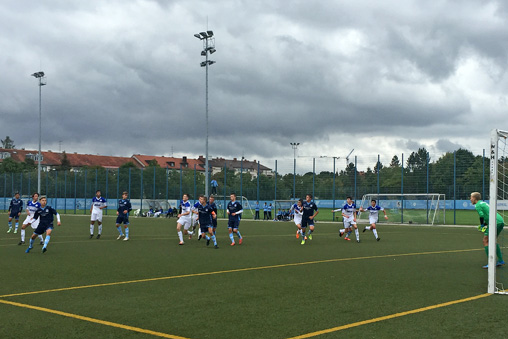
98, 204
184, 218
349, 216
297, 209
373, 210
195, 220
31, 208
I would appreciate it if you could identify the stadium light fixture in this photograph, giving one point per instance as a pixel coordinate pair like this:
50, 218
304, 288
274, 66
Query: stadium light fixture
42, 82
208, 48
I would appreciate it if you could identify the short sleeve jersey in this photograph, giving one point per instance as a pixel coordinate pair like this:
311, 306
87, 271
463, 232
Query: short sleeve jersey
374, 211
349, 210
97, 203
46, 215
124, 205
205, 214
16, 205
234, 207
33, 207
297, 210
186, 207
308, 209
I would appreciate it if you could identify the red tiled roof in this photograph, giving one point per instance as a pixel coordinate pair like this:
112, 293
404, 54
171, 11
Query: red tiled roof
169, 162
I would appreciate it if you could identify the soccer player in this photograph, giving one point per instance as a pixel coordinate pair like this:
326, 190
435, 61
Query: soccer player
206, 215
265, 212
31, 207
234, 211
349, 214
98, 204
310, 210
297, 209
212, 204
184, 218
483, 212
373, 209
124, 207
15, 208
270, 212
256, 207
45, 215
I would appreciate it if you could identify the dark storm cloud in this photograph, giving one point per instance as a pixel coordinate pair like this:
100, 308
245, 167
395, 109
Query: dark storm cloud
124, 78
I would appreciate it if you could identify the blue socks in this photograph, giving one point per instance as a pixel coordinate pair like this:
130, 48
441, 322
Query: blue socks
238, 234
127, 232
46, 241
231, 237
119, 228
214, 240
10, 224
31, 243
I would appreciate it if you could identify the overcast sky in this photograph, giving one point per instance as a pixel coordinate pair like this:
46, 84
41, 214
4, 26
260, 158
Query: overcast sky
379, 77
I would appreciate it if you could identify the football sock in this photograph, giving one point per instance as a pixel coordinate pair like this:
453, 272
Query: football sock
46, 241
207, 237
126, 232
348, 234
199, 231
10, 224
231, 237
375, 232
342, 230
499, 254
22, 235
214, 240
17, 225
486, 248
119, 228
238, 234
31, 242
40, 237
91, 229
100, 229
180, 236
367, 228
357, 234
310, 232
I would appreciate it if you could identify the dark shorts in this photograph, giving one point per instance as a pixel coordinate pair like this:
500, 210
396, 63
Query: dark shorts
233, 223
305, 222
214, 222
14, 215
122, 219
204, 228
41, 229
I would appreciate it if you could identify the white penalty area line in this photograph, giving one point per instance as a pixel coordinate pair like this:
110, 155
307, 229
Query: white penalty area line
388, 317
236, 270
92, 320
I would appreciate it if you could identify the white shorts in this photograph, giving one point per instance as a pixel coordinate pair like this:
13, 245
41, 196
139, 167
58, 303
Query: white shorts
348, 222
96, 216
195, 219
185, 222
373, 220
34, 223
298, 220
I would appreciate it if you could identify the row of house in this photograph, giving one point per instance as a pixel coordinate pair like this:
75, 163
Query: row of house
51, 160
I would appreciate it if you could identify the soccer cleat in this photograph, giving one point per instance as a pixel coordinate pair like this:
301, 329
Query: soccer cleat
346, 238
9, 231
364, 229
207, 242
377, 239
41, 243
358, 241
181, 243
310, 236
500, 263
120, 237
297, 234
240, 241
303, 242
28, 249
200, 236
216, 247
341, 234
91, 236
126, 239
233, 243
21, 243
15, 231
98, 236
44, 250
486, 266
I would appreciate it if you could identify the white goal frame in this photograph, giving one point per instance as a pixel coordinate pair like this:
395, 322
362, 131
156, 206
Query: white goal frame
494, 195
438, 199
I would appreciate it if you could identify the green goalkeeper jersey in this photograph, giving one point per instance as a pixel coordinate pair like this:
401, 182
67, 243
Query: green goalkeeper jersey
483, 211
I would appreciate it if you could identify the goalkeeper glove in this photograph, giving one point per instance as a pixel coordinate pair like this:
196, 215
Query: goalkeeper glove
482, 228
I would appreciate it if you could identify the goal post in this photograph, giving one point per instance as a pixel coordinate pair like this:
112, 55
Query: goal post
498, 201
408, 208
222, 202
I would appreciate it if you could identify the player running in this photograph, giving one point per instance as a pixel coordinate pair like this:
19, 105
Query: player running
206, 215
310, 210
45, 215
349, 214
212, 204
124, 207
297, 209
184, 218
373, 210
98, 204
31, 207
483, 212
15, 208
234, 211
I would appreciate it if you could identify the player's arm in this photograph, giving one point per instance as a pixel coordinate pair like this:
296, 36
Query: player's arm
238, 212
315, 213
384, 211
104, 205
57, 217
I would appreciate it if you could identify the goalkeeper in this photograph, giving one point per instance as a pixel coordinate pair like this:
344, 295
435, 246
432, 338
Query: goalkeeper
483, 212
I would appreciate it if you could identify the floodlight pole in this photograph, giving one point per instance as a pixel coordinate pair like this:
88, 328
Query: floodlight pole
208, 47
295, 147
39, 76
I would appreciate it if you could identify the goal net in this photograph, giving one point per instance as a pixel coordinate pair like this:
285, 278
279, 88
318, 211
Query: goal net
222, 203
422, 208
152, 204
282, 208
498, 200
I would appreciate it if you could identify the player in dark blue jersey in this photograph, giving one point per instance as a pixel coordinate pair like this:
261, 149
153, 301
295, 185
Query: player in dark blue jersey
205, 216
212, 204
124, 207
310, 210
15, 208
45, 215
234, 211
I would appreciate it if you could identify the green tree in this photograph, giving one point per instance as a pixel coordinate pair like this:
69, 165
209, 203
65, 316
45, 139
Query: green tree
7, 143
65, 164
